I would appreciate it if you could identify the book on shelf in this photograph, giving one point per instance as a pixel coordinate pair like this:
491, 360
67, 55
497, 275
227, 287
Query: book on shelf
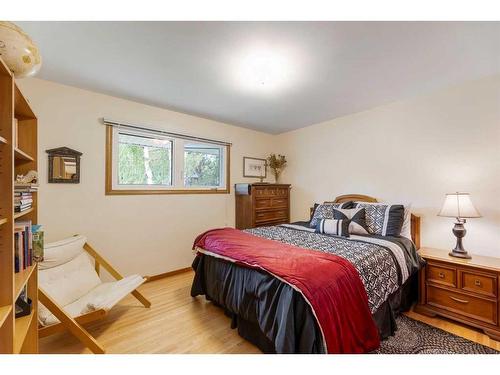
23, 195
21, 187
22, 208
23, 245
23, 200
23, 303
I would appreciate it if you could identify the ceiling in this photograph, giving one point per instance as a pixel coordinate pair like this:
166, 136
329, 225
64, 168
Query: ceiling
324, 69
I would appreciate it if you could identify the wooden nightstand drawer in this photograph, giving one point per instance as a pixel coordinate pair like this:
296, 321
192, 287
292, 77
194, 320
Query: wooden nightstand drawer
466, 290
442, 274
478, 282
472, 307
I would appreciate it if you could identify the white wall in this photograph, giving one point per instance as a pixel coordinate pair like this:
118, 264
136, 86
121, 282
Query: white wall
409, 151
147, 234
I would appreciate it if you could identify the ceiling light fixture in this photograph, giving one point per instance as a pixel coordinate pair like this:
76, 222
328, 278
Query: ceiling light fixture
264, 70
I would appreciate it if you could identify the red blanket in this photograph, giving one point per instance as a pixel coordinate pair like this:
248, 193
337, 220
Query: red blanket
329, 283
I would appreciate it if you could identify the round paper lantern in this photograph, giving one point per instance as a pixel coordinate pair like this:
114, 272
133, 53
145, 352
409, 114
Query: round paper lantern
18, 51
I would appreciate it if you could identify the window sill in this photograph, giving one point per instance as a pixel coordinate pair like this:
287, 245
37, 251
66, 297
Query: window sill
166, 191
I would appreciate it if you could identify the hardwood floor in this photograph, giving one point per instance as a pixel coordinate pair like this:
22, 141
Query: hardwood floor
177, 323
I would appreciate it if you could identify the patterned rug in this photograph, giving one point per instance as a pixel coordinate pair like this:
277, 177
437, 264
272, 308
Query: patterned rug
414, 337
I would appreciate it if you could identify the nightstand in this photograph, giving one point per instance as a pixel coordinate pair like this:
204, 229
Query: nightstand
465, 290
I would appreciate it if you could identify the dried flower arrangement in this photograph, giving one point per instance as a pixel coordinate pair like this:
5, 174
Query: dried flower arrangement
277, 164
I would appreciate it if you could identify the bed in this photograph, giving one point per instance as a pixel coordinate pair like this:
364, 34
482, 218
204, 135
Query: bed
308, 299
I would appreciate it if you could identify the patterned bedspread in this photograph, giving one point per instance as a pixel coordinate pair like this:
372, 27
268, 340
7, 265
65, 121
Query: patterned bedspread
383, 263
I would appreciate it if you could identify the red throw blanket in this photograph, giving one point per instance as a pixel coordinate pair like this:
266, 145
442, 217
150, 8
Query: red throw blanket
329, 283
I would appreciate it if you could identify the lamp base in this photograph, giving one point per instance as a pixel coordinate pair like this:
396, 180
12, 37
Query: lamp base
459, 232
456, 254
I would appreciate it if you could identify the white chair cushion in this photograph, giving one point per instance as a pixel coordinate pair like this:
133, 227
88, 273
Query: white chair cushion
68, 276
104, 296
60, 252
68, 282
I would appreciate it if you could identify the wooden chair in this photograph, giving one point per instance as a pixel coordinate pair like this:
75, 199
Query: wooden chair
81, 297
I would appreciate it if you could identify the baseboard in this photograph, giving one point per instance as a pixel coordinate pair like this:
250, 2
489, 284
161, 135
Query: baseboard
167, 274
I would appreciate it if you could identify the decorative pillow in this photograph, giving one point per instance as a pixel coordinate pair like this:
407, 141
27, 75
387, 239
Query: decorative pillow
406, 228
333, 227
356, 216
325, 211
383, 219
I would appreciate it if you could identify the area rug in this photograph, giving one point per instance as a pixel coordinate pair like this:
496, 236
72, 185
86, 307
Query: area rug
414, 337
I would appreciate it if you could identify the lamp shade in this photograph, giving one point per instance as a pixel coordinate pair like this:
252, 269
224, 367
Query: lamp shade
458, 205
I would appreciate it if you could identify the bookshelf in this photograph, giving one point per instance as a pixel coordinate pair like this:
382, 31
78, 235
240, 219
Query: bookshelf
18, 155
19, 215
22, 156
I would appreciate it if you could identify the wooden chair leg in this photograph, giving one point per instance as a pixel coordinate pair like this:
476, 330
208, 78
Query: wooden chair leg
45, 331
76, 329
113, 272
145, 302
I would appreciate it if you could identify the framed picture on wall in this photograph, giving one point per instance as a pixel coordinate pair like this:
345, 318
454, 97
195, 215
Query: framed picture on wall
254, 167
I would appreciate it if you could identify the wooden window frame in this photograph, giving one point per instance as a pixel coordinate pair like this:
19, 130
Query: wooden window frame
109, 190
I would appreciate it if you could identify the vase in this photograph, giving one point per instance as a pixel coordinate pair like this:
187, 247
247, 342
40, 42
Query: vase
277, 173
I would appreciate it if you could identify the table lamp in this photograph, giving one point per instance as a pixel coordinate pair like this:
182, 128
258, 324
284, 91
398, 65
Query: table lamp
459, 205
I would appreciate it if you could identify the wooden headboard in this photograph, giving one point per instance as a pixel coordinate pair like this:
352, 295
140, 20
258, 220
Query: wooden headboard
415, 220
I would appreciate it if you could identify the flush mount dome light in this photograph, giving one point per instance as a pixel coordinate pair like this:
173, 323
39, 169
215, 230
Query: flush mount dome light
264, 70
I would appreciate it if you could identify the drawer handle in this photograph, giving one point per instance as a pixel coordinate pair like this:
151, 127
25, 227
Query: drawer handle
477, 282
441, 275
458, 300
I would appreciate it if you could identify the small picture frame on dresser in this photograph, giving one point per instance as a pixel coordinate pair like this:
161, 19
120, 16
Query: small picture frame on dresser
254, 167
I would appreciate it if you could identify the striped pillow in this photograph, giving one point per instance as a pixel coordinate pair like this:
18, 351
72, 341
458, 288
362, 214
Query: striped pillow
325, 211
333, 227
356, 216
383, 219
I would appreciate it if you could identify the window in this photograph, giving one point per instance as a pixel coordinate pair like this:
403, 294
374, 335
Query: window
203, 165
145, 162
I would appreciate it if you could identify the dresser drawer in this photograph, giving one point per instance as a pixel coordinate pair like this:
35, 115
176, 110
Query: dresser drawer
266, 203
279, 202
441, 274
269, 223
472, 307
274, 215
478, 282
271, 192
263, 203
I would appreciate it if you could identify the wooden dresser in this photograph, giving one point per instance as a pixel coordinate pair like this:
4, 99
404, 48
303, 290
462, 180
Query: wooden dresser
465, 290
262, 204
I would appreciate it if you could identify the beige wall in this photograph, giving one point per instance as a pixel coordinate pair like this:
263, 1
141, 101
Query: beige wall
410, 151
148, 234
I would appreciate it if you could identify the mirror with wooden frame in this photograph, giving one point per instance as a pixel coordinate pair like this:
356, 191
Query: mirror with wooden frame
64, 165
